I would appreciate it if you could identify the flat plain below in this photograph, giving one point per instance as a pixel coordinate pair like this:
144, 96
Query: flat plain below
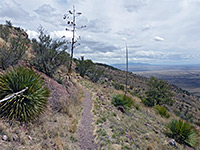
187, 77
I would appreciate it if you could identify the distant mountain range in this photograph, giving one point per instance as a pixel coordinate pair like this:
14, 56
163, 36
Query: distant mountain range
141, 67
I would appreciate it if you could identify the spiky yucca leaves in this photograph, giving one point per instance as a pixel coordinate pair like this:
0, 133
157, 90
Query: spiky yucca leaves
28, 105
183, 132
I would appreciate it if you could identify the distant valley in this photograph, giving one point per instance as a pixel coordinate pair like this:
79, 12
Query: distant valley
186, 77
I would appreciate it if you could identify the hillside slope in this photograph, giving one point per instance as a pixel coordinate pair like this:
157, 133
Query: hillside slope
54, 129
139, 128
186, 105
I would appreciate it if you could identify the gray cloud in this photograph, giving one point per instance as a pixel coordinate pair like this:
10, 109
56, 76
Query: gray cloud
134, 46
97, 26
91, 46
13, 10
49, 14
45, 10
134, 5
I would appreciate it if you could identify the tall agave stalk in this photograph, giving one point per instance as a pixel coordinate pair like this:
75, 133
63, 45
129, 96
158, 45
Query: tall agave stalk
24, 94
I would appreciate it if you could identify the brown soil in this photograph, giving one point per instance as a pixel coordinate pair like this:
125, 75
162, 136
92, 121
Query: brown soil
85, 131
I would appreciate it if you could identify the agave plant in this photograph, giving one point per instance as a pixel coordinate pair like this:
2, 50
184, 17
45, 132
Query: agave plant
24, 94
183, 132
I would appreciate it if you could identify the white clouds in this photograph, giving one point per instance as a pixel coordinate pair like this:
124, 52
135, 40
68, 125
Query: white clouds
174, 25
60, 34
32, 34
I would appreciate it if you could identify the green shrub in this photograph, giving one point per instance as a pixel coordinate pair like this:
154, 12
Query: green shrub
183, 132
162, 111
122, 100
49, 54
27, 105
159, 93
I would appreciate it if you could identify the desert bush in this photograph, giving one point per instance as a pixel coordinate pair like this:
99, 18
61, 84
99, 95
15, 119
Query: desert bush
95, 73
162, 111
49, 54
122, 100
12, 49
183, 132
27, 105
159, 93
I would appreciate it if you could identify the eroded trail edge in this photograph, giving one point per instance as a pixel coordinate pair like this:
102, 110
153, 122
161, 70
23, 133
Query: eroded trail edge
85, 130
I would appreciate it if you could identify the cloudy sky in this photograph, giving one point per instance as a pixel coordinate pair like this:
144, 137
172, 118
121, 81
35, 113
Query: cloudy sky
156, 31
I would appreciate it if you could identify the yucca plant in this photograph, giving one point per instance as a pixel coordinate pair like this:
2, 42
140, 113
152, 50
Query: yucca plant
25, 92
183, 132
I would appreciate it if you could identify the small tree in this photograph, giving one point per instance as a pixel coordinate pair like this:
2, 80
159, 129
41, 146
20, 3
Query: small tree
83, 66
72, 26
49, 54
159, 93
9, 23
95, 73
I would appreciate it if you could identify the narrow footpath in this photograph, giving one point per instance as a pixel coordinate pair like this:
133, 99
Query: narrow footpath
85, 130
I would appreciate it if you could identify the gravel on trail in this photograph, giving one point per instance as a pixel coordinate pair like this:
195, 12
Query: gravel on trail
85, 130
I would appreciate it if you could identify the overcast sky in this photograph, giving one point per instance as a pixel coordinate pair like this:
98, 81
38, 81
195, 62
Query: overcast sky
156, 31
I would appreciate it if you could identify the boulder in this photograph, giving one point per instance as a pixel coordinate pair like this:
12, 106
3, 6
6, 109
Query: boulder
121, 108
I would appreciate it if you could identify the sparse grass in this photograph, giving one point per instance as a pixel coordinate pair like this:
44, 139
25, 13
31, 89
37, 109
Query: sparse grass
73, 125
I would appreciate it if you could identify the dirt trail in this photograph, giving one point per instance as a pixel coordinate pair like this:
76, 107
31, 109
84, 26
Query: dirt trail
85, 131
